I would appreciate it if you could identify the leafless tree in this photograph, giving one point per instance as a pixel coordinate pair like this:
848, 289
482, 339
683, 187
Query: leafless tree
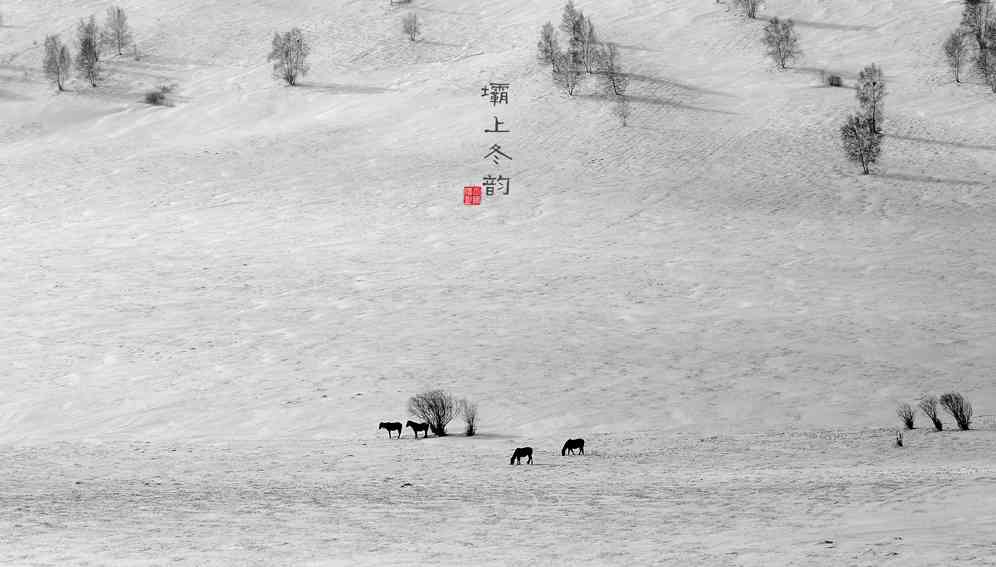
117, 33
548, 47
959, 408
436, 407
955, 50
57, 62
622, 109
289, 56
749, 7
613, 76
468, 410
411, 26
906, 415
862, 143
567, 73
782, 41
572, 23
871, 95
978, 21
589, 46
928, 405
88, 56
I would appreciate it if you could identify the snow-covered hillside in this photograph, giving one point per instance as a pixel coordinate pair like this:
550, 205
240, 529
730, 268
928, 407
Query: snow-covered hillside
259, 263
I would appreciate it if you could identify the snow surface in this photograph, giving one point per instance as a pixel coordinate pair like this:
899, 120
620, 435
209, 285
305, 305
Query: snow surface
207, 308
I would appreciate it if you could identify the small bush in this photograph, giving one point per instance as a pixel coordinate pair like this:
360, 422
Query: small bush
928, 405
905, 413
468, 410
436, 407
959, 408
834, 81
156, 97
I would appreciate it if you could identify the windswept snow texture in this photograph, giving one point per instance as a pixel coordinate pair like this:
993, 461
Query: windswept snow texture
208, 307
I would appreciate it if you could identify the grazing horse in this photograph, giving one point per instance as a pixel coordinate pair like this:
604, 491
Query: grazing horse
519, 453
571, 445
416, 427
391, 426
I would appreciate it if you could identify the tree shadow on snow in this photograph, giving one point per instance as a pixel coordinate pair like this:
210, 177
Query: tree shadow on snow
927, 179
943, 143
659, 102
333, 88
824, 25
676, 84
439, 43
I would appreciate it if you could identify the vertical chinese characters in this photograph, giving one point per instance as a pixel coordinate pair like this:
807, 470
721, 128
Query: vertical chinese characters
494, 182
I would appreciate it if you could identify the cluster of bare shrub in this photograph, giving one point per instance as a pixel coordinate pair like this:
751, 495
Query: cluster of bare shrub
438, 408
584, 55
953, 403
974, 41
91, 40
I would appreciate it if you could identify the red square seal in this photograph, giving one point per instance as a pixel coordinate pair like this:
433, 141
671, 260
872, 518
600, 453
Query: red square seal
472, 195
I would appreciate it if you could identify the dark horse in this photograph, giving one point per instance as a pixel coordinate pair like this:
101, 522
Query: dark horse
391, 426
519, 453
416, 427
571, 445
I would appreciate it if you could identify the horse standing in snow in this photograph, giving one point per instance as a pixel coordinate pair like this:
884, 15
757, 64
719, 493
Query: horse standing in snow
519, 453
416, 427
571, 445
391, 426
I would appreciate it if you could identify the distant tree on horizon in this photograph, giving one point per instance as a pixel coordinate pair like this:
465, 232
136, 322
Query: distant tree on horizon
622, 110
782, 41
117, 33
567, 73
57, 62
289, 56
749, 7
410, 25
611, 70
548, 47
862, 143
589, 46
88, 56
955, 50
871, 95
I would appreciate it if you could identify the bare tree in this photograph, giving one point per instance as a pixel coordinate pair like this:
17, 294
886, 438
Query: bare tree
572, 23
862, 143
117, 33
959, 408
468, 410
782, 41
622, 109
548, 47
749, 7
436, 407
906, 415
567, 73
88, 56
928, 405
871, 95
57, 62
411, 27
589, 45
955, 50
289, 54
977, 20
612, 73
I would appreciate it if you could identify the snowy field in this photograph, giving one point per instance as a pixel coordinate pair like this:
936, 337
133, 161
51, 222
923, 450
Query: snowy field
207, 308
